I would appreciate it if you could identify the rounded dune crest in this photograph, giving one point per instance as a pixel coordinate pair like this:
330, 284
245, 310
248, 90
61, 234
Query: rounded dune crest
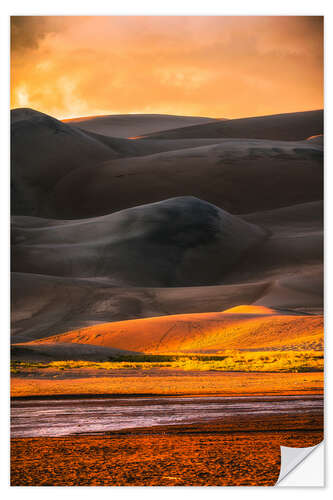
43, 150
249, 309
286, 126
317, 139
135, 125
181, 241
207, 332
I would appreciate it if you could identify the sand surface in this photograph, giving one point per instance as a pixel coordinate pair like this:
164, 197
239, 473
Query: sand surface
288, 126
211, 332
63, 172
199, 456
175, 237
162, 382
219, 173
284, 272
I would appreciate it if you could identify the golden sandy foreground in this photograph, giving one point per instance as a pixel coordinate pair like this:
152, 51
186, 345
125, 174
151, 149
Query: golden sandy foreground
225, 383
155, 458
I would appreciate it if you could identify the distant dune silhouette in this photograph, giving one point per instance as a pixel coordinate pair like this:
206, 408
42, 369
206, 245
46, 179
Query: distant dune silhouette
62, 172
284, 127
134, 124
220, 174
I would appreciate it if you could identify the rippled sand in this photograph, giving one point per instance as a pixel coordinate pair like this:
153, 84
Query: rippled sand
189, 457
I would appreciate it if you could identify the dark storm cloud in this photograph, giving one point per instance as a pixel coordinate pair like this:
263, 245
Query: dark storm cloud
28, 31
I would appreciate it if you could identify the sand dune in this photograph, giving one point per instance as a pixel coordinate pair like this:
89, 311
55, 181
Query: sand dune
42, 151
134, 124
248, 309
318, 139
301, 291
303, 217
284, 127
129, 148
284, 271
62, 172
46, 305
177, 242
210, 332
295, 246
53, 352
278, 173
109, 230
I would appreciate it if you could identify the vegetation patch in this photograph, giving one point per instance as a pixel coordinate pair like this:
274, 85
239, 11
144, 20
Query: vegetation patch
229, 361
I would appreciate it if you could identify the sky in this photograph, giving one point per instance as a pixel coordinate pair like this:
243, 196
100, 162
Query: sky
214, 66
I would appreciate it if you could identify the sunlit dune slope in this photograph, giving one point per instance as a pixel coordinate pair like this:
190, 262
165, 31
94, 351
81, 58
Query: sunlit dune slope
317, 139
284, 272
47, 305
250, 310
285, 127
208, 332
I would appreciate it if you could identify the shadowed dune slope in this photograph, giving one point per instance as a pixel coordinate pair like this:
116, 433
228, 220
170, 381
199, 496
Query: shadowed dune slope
284, 127
295, 249
46, 305
304, 217
284, 271
134, 124
237, 175
63, 172
208, 332
177, 242
43, 150
62, 352
129, 148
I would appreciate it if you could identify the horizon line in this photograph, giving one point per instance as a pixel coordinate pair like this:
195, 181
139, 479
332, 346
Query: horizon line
103, 115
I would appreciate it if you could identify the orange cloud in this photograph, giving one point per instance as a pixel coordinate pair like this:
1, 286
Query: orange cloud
209, 66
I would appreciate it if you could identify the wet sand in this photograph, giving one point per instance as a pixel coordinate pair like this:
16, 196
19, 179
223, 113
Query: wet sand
71, 416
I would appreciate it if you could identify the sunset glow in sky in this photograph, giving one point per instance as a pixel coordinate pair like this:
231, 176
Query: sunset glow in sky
209, 66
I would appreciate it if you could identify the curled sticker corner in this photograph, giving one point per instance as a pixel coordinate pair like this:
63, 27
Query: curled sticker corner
291, 458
